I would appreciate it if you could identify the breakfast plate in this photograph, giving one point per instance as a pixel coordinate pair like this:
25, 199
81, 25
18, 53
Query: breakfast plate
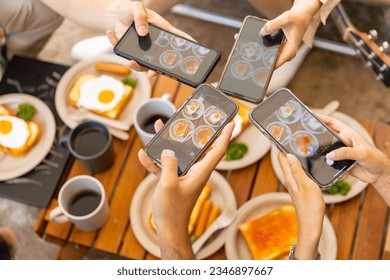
258, 145
235, 245
12, 167
357, 186
141, 208
66, 111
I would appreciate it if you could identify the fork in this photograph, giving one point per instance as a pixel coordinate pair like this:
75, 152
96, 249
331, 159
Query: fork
82, 114
224, 220
2, 156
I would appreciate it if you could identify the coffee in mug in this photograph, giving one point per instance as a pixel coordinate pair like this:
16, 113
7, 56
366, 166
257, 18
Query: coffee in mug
149, 112
82, 201
148, 125
90, 142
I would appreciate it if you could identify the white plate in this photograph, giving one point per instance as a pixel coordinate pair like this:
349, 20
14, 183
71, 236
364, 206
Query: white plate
141, 208
141, 93
12, 167
258, 146
357, 186
235, 246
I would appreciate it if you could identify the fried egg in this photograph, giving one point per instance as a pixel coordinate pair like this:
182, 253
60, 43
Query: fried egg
14, 132
216, 117
102, 93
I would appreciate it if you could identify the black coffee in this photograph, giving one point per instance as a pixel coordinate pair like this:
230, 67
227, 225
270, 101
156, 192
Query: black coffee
84, 203
90, 142
148, 125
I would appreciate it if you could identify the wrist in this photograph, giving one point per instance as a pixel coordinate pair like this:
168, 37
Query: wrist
307, 249
175, 245
311, 256
310, 6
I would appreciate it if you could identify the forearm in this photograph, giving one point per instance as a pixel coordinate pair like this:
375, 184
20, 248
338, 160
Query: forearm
271, 9
307, 245
175, 246
382, 185
92, 14
159, 6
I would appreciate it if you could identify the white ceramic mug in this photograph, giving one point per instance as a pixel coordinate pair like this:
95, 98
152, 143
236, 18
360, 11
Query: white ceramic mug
153, 107
75, 190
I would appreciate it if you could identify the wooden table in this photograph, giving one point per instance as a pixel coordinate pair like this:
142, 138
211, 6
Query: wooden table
361, 223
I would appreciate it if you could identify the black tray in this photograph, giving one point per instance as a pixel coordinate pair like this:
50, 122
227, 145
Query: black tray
38, 78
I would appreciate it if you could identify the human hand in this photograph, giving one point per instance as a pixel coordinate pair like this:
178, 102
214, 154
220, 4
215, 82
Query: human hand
309, 206
294, 24
175, 197
130, 11
372, 163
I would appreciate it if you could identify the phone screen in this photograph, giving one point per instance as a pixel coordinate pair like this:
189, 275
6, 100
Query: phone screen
249, 69
163, 51
193, 127
298, 131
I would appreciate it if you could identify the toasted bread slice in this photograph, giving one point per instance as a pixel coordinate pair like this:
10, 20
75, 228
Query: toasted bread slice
241, 120
4, 111
271, 236
74, 96
35, 133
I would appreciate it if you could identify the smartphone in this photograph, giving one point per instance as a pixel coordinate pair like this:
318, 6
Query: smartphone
251, 62
169, 54
193, 127
294, 129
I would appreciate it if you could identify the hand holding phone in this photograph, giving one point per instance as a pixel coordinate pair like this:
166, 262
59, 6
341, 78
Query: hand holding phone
169, 54
193, 127
251, 63
294, 129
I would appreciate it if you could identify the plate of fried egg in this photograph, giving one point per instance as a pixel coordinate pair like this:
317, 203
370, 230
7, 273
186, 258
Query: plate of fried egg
356, 186
101, 87
24, 140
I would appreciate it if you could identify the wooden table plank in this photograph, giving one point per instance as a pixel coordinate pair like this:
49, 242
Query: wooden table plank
344, 217
266, 180
369, 236
131, 248
241, 182
108, 180
386, 249
111, 234
374, 212
165, 85
72, 251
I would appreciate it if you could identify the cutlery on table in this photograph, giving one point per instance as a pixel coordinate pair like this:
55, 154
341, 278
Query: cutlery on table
81, 114
2, 155
330, 108
120, 134
225, 219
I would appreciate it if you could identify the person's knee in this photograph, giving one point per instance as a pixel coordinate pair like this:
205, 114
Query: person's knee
7, 243
10, 10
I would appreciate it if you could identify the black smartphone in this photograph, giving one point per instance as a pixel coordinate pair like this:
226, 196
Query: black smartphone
193, 127
169, 54
294, 129
251, 62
